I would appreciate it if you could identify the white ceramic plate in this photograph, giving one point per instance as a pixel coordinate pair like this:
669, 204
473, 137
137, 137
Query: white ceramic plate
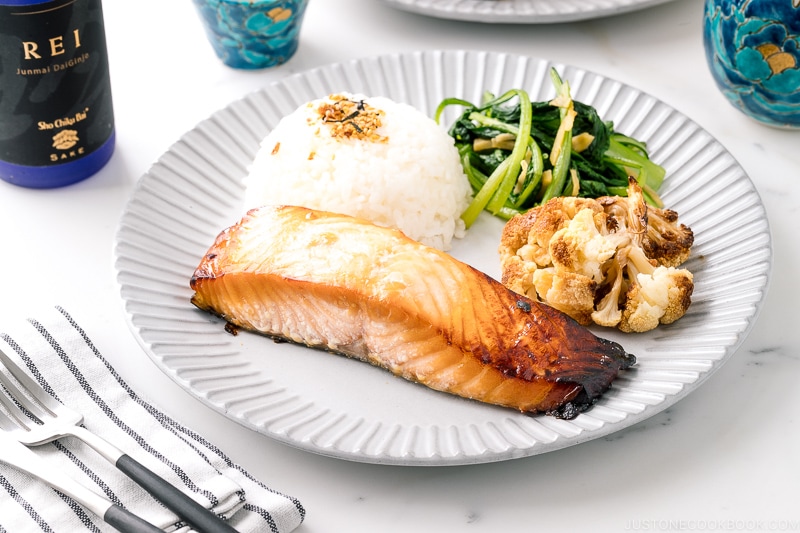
521, 11
339, 407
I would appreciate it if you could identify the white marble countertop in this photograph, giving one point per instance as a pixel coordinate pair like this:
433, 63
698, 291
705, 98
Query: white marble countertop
724, 458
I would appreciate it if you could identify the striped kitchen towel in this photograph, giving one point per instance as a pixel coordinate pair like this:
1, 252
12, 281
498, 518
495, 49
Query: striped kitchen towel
58, 353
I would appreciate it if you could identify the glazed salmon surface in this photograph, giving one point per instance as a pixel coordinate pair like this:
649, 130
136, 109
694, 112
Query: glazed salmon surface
345, 285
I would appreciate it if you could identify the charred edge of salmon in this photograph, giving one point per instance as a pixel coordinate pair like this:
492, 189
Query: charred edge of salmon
594, 364
616, 359
581, 364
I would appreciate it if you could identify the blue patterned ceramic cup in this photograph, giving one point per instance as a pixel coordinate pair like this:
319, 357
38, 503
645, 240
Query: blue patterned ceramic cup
252, 34
753, 51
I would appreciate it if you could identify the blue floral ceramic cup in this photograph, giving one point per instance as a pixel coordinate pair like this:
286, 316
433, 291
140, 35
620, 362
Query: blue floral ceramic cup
252, 34
753, 51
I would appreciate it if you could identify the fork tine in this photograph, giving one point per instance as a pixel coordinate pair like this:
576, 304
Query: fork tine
9, 420
17, 416
41, 410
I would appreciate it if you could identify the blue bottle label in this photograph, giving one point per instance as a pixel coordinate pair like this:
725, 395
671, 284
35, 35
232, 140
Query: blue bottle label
55, 92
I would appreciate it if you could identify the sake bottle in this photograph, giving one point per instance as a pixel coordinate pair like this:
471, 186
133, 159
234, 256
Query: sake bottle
56, 112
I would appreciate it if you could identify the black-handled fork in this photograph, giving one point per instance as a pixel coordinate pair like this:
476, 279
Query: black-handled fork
56, 420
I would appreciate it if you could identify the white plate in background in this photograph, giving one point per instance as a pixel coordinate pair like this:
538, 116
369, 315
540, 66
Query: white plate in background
521, 11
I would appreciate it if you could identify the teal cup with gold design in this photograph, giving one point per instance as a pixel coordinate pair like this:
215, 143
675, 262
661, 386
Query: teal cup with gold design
253, 34
753, 51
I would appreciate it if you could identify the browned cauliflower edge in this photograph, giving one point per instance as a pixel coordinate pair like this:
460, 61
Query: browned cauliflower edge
611, 261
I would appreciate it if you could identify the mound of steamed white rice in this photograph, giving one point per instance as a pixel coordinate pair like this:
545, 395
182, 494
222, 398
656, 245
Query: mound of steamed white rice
406, 174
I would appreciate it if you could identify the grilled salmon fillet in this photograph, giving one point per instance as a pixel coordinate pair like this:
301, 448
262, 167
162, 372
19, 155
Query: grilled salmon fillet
345, 285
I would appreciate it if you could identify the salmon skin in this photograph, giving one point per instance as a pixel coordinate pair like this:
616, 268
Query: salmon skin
345, 285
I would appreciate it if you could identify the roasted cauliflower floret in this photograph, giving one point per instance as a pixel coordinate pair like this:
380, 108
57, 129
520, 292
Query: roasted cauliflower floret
656, 294
568, 292
607, 311
610, 261
580, 246
666, 241
525, 243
